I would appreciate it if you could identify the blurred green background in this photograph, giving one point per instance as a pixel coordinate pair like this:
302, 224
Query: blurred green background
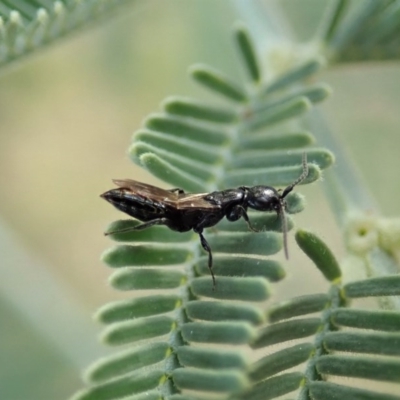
67, 119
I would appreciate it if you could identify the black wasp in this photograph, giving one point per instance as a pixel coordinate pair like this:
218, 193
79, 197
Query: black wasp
182, 211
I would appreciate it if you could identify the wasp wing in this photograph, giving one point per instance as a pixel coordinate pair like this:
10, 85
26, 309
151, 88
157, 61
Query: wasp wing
148, 191
180, 201
195, 201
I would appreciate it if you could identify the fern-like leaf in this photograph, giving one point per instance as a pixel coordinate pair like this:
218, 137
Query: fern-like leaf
26, 26
361, 354
362, 31
194, 334
201, 147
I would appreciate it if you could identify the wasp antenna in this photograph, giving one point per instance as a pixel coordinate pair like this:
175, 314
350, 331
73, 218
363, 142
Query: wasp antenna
123, 230
284, 229
301, 178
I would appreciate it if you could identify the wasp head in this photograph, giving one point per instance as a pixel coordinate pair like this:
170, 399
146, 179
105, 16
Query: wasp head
264, 198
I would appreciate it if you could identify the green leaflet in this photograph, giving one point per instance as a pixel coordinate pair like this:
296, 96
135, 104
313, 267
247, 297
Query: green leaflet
138, 307
288, 330
381, 320
144, 254
210, 359
320, 254
127, 361
280, 176
124, 386
331, 391
294, 75
185, 397
185, 107
218, 82
360, 342
137, 329
224, 311
155, 234
380, 286
206, 380
247, 51
242, 266
298, 306
146, 278
360, 367
259, 158
233, 288
280, 361
178, 128
274, 387
268, 141
234, 333
271, 116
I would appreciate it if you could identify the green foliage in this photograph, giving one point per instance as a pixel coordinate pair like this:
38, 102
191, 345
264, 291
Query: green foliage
194, 333
362, 31
26, 26
320, 254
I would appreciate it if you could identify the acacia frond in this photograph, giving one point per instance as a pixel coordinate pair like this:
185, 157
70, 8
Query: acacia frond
26, 26
356, 31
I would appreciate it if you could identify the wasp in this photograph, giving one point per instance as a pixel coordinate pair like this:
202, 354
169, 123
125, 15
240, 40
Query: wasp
182, 212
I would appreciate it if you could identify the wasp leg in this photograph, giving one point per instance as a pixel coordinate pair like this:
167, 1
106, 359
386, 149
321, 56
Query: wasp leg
236, 213
179, 190
158, 221
246, 218
207, 248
